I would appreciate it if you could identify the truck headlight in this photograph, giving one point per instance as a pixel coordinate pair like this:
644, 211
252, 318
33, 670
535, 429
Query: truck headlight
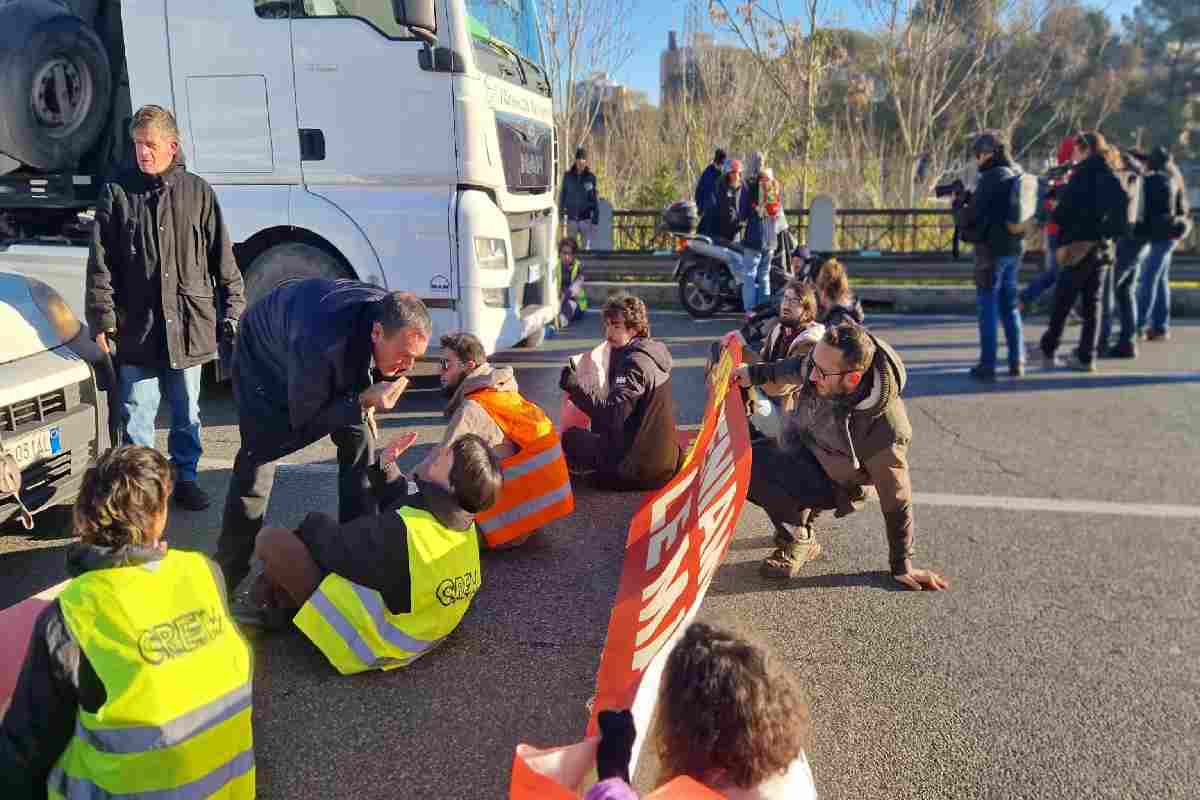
491, 253
60, 316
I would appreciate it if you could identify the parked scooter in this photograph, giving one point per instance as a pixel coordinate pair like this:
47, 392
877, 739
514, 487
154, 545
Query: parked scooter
709, 274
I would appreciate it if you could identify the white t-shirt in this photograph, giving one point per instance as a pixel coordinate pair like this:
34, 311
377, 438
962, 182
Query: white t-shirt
795, 784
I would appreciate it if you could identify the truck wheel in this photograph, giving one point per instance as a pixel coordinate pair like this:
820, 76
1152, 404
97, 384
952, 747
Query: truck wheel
55, 85
288, 260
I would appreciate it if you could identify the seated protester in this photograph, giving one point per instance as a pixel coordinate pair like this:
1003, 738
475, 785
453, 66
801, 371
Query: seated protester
730, 716
484, 401
849, 433
573, 299
136, 679
382, 590
632, 443
835, 303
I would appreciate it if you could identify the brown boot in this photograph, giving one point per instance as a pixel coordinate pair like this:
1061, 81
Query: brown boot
786, 562
784, 537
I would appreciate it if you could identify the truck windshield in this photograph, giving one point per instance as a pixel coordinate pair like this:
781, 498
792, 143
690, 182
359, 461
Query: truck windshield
511, 22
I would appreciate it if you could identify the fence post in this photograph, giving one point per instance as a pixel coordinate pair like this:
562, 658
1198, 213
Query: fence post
602, 239
821, 226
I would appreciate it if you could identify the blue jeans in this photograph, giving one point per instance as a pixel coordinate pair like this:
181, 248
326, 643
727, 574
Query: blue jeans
1120, 284
1048, 276
756, 278
1000, 300
1154, 290
140, 392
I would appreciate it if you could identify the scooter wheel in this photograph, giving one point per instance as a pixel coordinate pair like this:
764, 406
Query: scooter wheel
698, 291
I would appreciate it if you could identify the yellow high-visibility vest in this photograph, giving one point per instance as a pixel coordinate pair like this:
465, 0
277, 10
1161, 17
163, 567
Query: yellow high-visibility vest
177, 674
352, 625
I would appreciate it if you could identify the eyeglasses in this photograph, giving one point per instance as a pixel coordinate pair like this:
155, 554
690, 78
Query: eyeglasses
822, 374
789, 300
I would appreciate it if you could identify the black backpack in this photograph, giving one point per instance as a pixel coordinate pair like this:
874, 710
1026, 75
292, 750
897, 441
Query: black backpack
1118, 203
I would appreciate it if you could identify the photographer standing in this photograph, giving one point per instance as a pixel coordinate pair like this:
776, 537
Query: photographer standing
1168, 220
997, 257
1092, 210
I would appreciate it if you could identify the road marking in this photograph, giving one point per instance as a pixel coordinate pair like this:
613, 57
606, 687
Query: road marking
1000, 503
1056, 505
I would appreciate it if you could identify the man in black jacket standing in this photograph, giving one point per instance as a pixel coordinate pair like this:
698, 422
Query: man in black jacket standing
997, 258
632, 443
161, 282
578, 201
314, 358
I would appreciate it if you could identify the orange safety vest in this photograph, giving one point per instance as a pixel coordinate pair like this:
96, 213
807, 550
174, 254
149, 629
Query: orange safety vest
537, 488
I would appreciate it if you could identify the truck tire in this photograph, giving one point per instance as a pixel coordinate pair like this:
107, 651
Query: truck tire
56, 85
288, 260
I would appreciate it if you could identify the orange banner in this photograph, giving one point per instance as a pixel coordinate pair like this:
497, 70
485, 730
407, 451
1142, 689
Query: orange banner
676, 541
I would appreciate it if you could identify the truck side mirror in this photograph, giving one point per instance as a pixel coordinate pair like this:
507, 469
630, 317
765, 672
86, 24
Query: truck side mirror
418, 16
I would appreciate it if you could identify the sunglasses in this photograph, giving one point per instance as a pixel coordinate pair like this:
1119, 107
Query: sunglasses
820, 373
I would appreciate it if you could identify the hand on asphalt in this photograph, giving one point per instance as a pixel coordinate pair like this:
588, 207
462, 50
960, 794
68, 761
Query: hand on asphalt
742, 376
383, 395
923, 579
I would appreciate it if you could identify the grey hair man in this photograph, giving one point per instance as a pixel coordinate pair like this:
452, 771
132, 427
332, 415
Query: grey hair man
314, 358
159, 246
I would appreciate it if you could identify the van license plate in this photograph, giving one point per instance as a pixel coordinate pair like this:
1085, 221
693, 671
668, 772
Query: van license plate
35, 446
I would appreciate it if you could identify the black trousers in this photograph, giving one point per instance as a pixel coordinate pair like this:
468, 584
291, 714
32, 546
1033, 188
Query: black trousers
1086, 279
788, 485
254, 475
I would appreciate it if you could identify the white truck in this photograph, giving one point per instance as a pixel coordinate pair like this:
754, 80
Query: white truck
408, 143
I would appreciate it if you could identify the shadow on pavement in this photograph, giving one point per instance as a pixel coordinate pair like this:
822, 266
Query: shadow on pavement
744, 578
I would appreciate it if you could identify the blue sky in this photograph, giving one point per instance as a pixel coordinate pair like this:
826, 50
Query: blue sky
653, 18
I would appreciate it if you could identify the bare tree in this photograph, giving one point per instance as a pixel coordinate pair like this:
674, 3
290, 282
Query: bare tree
584, 39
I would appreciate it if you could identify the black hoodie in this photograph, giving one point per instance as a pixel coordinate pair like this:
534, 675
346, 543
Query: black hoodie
637, 416
992, 195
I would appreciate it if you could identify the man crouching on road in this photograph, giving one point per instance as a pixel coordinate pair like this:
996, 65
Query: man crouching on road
484, 401
382, 590
848, 432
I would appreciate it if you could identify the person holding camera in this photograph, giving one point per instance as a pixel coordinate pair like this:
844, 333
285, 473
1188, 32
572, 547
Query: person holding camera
1092, 210
998, 253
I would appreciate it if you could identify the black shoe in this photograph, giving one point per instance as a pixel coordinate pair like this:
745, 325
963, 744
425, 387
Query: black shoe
1157, 336
1017, 370
980, 373
190, 496
1122, 350
260, 618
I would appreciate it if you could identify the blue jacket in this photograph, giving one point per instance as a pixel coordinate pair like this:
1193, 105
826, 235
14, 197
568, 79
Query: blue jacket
992, 198
303, 355
706, 188
748, 213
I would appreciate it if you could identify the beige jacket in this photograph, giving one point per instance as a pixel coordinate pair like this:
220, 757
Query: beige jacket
466, 416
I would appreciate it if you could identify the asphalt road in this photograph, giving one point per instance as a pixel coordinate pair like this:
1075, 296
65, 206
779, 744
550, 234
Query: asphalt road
1064, 663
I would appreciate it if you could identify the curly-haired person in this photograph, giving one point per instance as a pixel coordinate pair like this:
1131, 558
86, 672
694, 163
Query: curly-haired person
136, 678
632, 443
729, 715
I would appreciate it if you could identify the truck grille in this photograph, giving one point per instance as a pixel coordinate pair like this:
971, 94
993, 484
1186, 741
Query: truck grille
35, 410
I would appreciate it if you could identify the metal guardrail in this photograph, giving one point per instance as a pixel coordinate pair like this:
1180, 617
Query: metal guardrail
650, 268
892, 231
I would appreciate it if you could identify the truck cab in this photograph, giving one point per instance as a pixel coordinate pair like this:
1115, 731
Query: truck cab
409, 143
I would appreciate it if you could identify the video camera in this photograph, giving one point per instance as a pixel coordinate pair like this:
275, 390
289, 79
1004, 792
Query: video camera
952, 189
